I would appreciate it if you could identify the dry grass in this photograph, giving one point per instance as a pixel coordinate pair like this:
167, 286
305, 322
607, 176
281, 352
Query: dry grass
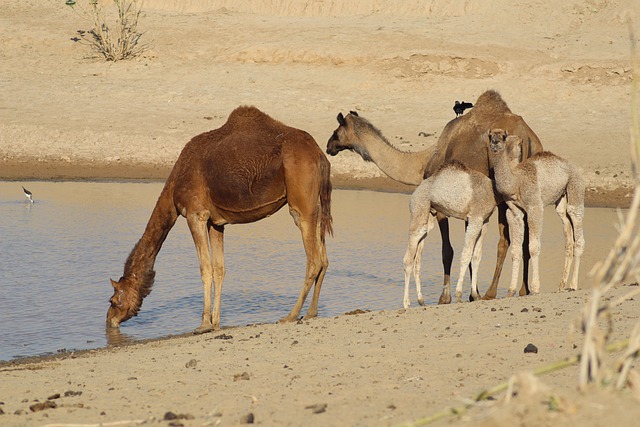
622, 265
113, 32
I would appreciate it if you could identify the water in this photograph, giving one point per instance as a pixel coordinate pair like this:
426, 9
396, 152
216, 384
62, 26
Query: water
57, 255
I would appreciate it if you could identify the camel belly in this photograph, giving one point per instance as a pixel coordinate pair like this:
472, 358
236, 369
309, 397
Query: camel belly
222, 216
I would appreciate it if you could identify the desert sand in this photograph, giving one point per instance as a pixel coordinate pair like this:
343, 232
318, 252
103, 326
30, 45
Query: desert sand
65, 114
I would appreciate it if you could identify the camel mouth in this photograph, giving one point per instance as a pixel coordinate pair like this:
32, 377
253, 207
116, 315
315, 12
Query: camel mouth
114, 318
113, 323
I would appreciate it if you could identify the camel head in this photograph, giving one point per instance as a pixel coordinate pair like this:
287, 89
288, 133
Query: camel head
125, 303
342, 135
499, 140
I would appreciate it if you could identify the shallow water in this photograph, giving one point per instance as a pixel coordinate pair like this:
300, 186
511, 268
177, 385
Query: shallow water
57, 255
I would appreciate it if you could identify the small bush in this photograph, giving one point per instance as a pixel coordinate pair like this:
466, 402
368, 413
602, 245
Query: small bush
114, 29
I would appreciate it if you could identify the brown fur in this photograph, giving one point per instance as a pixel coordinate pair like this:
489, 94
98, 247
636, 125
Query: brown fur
241, 172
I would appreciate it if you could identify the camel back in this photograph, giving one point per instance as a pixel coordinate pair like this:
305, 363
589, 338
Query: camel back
464, 138
242, 160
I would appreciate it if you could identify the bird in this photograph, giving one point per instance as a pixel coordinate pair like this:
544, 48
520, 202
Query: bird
28, 194
459, 107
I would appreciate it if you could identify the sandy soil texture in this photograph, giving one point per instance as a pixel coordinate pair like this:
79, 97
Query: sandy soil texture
565, 67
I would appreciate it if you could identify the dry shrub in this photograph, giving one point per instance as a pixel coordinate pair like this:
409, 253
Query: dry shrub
114, 32
622, 265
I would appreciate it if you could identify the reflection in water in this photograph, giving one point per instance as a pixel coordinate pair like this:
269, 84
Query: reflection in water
59, 253
115, 338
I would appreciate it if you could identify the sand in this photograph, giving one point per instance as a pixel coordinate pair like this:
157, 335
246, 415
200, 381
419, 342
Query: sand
67, 115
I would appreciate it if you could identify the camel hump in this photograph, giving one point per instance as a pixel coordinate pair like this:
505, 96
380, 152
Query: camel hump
249, 117
492, 101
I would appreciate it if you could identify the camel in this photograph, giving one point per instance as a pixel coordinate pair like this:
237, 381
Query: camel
458, 192
462, 139
239, 173
527, 188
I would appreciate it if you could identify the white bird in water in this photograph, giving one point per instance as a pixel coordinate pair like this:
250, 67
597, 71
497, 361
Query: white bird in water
28, 194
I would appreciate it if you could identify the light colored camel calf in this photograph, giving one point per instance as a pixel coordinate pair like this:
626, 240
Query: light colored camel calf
527, 188
455, 191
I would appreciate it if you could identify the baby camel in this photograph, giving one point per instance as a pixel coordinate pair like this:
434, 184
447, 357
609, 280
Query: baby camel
454, 191
527, 188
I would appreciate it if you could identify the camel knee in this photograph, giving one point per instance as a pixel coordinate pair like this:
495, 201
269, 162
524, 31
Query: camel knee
534, 248
206, 274
579, 247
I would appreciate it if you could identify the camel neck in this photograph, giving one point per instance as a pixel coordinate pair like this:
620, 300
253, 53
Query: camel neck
406, 167
506, 182
143, 256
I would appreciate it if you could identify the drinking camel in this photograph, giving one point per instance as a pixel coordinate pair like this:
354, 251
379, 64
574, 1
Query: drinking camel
462, 139
457, 192
527, 188
241, 172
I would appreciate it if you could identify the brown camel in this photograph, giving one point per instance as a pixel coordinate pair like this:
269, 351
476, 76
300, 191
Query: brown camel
241, 172
463, 140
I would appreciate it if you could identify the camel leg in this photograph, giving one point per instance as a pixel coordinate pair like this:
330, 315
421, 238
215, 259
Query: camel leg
526, 259
419, 227
315, 269
474, 228
534, 219
312, 311
466, 224
503, 246
576, 214
417, 269
197, 223
515, 217
447, 258
561, 210
475, 263
216, 239
409, 264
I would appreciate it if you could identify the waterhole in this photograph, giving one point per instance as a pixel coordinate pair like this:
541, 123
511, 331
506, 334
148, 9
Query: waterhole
57, 255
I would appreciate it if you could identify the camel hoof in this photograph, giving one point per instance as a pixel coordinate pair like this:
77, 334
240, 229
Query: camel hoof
510, 294
444, 299
203, 330
490, 295
421, 301
288, 319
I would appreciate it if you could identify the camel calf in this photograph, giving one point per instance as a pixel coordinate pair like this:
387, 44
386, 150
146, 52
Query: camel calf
527, 188
455, 191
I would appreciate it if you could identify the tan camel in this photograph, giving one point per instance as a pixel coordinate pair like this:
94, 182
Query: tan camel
239, 173
458, 192
463, 139
527, 188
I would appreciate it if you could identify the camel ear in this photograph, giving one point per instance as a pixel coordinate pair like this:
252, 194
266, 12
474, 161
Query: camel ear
341, 119
505, 134
355, 113
113, 283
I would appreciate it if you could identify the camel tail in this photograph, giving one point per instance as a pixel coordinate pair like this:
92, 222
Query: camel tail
326, 222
